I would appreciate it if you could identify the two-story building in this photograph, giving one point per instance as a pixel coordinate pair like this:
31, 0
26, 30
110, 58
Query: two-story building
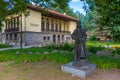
38, 28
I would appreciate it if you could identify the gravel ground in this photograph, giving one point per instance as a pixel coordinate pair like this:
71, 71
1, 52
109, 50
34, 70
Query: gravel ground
48, 71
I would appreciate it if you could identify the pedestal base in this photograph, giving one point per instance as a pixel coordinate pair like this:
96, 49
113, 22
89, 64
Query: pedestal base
82, 71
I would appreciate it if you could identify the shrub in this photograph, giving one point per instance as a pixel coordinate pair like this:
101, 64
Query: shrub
51, 46
66, 46
105, 62
92, 38
94, 46
4, 46
94, 49
116, 51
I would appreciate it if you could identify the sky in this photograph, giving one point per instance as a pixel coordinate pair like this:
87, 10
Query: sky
77, 6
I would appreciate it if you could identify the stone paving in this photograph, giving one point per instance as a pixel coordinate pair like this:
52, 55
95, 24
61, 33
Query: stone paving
2, 49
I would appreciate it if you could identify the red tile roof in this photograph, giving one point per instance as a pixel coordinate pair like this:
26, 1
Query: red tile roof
51, 13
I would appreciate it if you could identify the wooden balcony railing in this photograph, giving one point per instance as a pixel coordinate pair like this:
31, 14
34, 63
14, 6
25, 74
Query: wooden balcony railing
61, 31
12, 30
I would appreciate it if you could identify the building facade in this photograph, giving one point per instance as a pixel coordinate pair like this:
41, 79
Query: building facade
38, 28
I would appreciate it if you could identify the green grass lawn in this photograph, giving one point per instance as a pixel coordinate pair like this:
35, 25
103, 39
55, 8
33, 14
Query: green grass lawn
63, 55
35, 54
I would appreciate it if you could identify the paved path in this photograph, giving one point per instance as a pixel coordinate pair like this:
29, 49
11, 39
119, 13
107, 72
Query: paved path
2, 49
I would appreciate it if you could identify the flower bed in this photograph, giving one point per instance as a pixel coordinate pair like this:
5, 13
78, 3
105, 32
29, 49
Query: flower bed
115, 46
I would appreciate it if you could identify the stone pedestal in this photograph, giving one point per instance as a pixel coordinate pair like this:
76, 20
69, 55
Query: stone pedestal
82, 71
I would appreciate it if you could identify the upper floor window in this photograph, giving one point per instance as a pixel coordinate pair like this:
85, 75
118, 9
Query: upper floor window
13, 23
18, 22
6, 24
60, 25
47, 24
42, 26
56, 25
52, 25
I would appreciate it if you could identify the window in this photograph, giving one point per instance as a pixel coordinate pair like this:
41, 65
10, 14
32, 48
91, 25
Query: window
48, 38
11, 23
44, 38
6, 24
52, 25
10, 36
14, 22
43, 26
63, 37
56, 26
60, 26
6, 36
17, 22
47, 25
15, 36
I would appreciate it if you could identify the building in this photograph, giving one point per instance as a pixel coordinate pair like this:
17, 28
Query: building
40, 27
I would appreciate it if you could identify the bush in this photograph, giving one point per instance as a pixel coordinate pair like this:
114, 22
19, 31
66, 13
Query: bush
94, 49
65, 46
105, 62
92, 38
94, 46
4, 46
116, 51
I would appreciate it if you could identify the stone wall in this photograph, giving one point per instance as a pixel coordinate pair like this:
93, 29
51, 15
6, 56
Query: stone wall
34, 38
37, 38
12, 41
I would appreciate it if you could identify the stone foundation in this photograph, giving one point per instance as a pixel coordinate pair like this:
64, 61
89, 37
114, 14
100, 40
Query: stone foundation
36, 38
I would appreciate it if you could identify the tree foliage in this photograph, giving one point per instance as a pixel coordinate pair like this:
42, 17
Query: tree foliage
9, 7
108, 14
87, 20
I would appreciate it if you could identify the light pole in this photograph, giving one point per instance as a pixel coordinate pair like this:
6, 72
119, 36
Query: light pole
21, 34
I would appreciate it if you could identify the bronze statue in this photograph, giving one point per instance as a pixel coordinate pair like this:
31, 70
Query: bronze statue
79, 35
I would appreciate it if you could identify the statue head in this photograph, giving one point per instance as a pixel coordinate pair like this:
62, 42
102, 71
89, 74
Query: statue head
79, 24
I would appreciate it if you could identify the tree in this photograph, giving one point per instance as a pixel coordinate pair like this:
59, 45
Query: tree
9, 7
62, 7
108, 15
86, 20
